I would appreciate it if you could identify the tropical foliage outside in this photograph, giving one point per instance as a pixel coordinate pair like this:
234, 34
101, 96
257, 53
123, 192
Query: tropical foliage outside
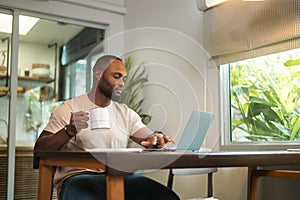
265, 98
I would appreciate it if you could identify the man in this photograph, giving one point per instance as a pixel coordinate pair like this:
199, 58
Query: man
68, 129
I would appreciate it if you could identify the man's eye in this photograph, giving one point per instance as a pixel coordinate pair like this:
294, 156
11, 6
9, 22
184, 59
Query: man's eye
124, 78
117, 76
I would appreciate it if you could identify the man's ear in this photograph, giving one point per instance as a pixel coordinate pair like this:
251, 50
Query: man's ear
98, 74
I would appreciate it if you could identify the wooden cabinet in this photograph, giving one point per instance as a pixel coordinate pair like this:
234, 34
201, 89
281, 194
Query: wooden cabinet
26, 178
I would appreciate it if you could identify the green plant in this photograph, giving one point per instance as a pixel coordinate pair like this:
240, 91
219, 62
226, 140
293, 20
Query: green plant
131, 95
267, 102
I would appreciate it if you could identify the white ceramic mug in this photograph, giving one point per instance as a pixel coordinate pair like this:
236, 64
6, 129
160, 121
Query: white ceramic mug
99, 118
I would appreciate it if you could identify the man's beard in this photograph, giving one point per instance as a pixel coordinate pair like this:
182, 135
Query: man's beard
109, 93
115, 97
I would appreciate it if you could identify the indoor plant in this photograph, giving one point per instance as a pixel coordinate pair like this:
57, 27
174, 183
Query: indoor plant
131, 95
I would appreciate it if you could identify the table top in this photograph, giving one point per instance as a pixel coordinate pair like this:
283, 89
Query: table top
131, 162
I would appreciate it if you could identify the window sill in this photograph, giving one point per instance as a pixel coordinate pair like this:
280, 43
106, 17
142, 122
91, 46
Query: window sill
260, 146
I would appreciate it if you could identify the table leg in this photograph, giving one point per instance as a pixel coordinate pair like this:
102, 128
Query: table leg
45, 181
252, 193
115, 188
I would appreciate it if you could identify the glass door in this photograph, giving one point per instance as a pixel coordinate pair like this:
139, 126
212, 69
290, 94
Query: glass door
5, 38
6, 21
30, 61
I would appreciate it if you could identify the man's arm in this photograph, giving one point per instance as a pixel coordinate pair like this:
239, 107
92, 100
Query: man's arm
51, 141
141, 135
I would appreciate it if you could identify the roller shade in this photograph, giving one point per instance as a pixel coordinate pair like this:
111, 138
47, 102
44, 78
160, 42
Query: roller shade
240, 29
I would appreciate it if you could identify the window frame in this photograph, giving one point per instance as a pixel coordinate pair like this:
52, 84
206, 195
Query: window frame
225, 116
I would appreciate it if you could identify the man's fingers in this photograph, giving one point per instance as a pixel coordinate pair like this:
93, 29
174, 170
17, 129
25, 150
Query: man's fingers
161, 141
79, 120
169, 139
145, 143
157, 141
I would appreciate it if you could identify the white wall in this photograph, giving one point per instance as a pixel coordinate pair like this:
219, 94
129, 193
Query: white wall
174, 60
167, 36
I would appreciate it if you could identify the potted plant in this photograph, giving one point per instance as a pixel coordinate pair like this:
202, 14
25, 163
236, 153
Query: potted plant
131, 95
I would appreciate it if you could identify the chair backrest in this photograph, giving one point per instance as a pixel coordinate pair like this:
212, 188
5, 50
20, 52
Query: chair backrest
36, 162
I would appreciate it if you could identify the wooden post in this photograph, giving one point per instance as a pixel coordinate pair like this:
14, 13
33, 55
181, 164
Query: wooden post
252, 193
115, 188
45, 177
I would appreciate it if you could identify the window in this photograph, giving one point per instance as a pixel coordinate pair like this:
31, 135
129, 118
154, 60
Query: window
264, 99
75, 62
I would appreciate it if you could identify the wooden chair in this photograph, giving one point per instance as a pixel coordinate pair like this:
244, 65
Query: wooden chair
196, 171
254, 173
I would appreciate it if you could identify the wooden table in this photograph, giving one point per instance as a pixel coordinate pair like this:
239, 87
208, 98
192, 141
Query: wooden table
119, 164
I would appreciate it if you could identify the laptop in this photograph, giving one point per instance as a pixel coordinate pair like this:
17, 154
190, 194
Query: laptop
194, 133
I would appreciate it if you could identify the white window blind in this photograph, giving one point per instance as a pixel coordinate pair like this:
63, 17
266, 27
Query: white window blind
243, 29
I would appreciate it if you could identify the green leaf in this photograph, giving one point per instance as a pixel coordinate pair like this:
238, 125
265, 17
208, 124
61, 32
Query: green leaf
296, 74
259, 125
286, 131
296, 111
295, 128
290, 63
146, 118
241, 90
262, 101
255, 109
272, 98
270, 115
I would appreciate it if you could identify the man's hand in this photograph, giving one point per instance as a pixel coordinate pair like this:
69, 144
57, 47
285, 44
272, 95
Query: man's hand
78, 121
157, 140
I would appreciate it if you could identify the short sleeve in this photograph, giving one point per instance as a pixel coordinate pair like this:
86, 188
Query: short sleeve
59, 118
136, 122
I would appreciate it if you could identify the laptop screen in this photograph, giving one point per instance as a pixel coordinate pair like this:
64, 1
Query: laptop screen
195, 130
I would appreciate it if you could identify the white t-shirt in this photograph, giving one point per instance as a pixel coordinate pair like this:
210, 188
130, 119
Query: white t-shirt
124, 122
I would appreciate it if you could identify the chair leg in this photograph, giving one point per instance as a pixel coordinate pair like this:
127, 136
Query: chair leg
209, 182
170, 179
210, 185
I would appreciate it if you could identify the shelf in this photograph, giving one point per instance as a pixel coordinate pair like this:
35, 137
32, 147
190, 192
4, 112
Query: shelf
20, 90
28, 81
30, 78
24, 83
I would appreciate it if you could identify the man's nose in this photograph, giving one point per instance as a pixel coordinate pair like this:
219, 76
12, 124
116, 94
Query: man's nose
121, 82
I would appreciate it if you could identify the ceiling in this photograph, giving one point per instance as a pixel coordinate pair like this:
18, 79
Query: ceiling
47, 32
